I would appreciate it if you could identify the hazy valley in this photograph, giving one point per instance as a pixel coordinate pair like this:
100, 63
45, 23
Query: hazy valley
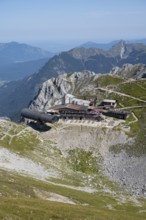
20, 60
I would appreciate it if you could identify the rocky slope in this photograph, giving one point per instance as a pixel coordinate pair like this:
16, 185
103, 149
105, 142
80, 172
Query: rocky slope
40, 167
136, 71
81, 84
127, 170
119, 148
55, 88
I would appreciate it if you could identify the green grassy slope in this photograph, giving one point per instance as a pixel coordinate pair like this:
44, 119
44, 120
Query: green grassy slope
136, 89
25, 197
19, 200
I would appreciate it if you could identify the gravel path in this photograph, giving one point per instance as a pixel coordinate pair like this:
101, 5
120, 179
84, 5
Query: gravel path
121, 94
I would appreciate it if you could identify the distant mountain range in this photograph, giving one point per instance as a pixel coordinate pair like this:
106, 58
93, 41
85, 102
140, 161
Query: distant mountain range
107, 46
15, 95
14, 52
18, 60
94, 59
104, 46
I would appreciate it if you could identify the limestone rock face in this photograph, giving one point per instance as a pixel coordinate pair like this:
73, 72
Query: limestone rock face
55, 88
130, 71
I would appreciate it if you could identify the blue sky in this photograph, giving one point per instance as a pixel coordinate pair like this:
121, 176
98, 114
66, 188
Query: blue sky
72, 20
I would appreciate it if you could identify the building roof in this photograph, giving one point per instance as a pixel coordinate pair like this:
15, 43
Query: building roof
57, 107
76, 107
52, 111
70, 106
109, 100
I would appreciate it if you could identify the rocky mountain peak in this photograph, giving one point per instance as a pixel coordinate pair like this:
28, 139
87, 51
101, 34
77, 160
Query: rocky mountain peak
120, 49
82, 75
55, 88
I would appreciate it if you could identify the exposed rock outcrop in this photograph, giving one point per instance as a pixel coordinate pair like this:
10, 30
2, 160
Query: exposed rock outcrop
78, 82
55, 88
127, 170
130, 71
